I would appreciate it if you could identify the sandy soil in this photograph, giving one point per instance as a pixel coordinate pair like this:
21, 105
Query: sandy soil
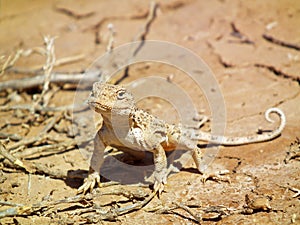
252, 47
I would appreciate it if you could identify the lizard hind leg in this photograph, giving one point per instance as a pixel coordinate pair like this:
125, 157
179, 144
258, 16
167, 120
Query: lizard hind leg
217, 175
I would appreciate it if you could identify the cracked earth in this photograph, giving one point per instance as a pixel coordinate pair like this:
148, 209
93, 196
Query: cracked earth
252, 47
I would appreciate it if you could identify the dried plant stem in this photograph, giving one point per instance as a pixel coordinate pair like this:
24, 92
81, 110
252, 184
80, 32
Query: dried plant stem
48, 67
15, 161
57, 78
42, 134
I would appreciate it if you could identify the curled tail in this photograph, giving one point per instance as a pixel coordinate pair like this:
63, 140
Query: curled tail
248, 139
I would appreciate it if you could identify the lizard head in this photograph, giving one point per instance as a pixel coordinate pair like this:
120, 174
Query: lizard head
106, 98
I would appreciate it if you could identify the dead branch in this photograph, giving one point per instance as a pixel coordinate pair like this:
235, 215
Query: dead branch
132, 195
39, 68
280, 42
113, 213
37, 168
39, 108
11, 60
112, 33
14, 137
21, 209
50, 149
48, 67
197, 217
57, 78
100, 213
42, 134
15, 161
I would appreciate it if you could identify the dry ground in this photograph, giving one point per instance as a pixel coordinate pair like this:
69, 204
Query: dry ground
252, 48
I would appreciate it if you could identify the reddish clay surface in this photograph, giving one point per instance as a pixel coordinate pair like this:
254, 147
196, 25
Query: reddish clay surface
254, 74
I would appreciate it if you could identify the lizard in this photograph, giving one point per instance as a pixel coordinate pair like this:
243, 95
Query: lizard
135, 131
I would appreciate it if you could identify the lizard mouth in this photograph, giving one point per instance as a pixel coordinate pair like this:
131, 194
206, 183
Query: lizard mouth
96, 105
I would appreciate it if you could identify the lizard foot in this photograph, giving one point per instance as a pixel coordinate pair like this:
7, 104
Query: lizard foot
218, 176
158, 187
89, 183
160, 181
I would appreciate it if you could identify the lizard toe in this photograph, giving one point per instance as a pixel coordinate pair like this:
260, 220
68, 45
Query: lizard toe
159, 187
89, 183
217, 176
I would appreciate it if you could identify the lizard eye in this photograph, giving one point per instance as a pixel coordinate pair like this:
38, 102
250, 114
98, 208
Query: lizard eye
121, 94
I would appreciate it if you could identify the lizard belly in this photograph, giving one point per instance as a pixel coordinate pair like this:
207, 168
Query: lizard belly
127, 142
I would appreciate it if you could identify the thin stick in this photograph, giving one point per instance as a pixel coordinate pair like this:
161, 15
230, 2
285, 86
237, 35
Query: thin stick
12, 60
39, 108
14, 137
136, 206
53, 148
57, 78
111, 40
189, 211
15, 161
48, 67
28, 141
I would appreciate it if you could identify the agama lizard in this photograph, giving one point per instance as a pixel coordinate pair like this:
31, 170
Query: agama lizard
135, 131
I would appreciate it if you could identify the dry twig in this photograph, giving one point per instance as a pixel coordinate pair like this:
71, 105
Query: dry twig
42, 134
112, 33
50, 149
12, 59
15, 161
39, 108
14, 137
100, 213
48, 67
197, 217
57, 78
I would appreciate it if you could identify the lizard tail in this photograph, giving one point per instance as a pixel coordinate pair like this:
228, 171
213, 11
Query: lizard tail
247, 139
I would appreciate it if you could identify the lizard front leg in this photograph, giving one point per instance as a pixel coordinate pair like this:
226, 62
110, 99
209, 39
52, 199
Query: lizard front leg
160, 173
95, 165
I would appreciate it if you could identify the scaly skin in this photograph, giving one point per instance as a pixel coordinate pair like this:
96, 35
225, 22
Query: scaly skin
135, 131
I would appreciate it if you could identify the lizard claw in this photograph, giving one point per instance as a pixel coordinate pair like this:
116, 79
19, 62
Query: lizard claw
160, 181
89, 183
158, 187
